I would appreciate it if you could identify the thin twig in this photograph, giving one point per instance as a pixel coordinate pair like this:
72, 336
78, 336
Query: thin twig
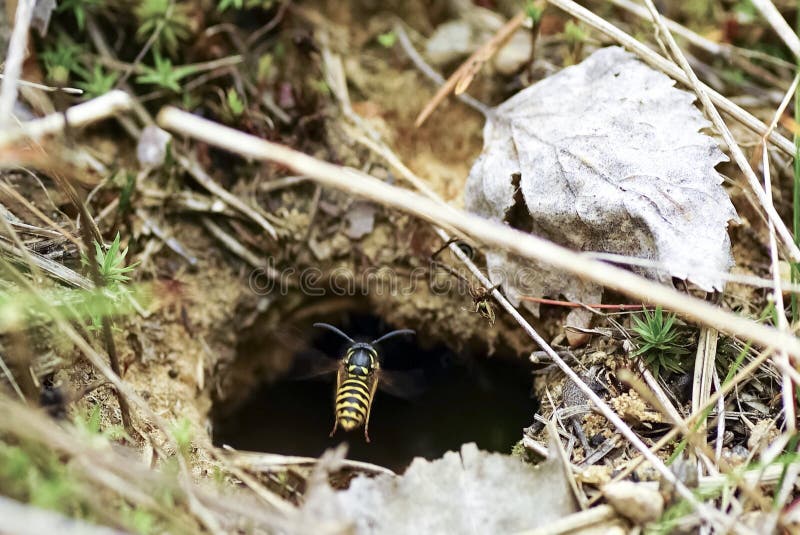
79, 115
787, 98
705, 358
787, 390
48, 88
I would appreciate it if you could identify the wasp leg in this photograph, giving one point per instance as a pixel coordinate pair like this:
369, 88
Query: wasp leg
339, 378
369, 407
443, 247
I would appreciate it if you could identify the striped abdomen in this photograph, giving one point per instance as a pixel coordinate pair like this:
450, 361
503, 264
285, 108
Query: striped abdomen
353, 400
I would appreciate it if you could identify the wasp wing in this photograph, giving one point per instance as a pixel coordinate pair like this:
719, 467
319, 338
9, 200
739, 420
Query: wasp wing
311, 363
406, 384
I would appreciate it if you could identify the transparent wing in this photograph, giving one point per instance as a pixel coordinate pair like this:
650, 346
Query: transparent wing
311, 363
403, 384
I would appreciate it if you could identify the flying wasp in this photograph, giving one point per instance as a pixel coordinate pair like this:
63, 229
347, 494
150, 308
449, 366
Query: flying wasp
357, 379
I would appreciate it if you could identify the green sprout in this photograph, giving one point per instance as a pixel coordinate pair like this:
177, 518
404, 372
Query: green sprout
79, 8
659, 341
533, 11
37, 476
164, 74
139, 520
97, 82
573, 33
60, 59
226, 4
167, 19
90, 424
234, 101
388, 39
112, 263
264, 67
182, 433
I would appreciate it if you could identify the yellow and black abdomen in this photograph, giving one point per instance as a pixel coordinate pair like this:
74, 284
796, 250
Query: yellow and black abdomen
353, 400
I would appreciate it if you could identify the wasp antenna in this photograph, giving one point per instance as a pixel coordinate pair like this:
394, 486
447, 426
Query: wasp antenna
398, 332
336, 330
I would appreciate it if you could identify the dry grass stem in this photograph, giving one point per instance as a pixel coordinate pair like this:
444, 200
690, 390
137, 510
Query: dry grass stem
17, 49
49, 89
79, 115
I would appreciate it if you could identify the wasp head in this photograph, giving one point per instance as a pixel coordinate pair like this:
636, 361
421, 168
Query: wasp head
361, 359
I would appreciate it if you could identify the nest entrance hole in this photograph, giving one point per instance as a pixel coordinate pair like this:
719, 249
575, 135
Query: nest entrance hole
463, 396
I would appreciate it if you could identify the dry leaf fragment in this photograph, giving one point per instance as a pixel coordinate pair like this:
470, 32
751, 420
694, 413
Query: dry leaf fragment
604, 156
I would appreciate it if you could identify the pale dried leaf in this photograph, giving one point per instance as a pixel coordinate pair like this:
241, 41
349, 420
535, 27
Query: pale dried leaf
470, 492
604, 156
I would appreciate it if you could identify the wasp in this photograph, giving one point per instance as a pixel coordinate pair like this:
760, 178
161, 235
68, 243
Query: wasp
357, 379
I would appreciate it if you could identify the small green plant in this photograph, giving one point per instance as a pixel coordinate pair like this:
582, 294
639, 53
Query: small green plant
659, 342
533, 11
79, 8
36, 475
112, 263
226, 4
126, 181
168, 19
139, 520
60, 59
182, 433
164, 74
90, 425
320, 86
746, 11
387, 40
115, 296
234, 103
574, 33
97, 82
264, 67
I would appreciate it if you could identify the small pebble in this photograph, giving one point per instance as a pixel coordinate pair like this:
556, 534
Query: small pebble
638, 502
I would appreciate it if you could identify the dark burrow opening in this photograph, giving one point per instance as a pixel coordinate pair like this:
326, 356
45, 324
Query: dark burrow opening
455, 398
